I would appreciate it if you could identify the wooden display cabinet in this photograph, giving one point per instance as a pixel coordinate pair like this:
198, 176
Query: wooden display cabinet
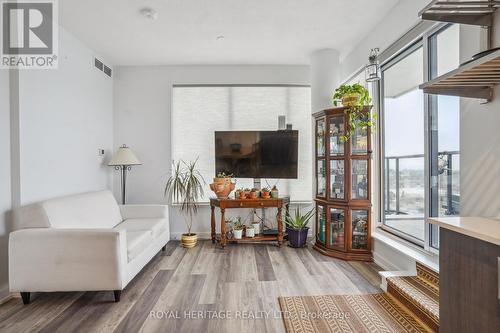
343, 187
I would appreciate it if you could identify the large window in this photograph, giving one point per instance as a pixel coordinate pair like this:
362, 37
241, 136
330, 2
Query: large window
198, 111
420, 134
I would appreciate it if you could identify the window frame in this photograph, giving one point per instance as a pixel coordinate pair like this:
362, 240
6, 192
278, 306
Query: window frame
422, 40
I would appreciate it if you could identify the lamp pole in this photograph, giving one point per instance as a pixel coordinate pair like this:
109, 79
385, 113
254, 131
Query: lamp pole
123, 169
122, 161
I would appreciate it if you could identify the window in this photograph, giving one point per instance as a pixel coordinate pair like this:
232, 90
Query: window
444, 129
420, 167
404, 195
198, 111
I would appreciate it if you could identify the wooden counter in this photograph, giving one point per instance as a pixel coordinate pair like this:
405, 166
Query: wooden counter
469, 265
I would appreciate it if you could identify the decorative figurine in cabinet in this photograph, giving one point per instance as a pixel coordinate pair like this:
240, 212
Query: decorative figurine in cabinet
343, 185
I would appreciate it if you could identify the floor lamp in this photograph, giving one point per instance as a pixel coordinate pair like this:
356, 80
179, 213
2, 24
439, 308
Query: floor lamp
123, 160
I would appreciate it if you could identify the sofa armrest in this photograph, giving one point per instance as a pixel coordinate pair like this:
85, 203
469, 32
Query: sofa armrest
46, 259
144, 211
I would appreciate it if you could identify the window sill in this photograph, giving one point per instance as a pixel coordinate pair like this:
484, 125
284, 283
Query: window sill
416, 253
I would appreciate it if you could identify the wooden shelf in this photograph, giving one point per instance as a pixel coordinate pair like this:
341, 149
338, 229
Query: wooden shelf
474, 79
257, 238
478, 12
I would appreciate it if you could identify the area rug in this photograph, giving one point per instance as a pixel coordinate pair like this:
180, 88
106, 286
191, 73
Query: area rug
347, 313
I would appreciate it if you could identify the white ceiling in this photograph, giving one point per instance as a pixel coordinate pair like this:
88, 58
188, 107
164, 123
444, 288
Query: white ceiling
185, 32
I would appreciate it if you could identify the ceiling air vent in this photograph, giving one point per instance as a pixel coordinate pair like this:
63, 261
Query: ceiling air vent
102, 67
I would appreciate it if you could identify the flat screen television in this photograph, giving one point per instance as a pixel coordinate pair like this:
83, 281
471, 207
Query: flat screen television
257, 154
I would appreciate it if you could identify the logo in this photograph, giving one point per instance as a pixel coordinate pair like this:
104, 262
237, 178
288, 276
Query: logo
29, 34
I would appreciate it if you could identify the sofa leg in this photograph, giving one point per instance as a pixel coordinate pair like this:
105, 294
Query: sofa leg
26, 297
117, 294
164, 248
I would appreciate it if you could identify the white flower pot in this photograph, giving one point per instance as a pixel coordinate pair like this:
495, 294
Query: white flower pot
250, 232
256, 227
238, 234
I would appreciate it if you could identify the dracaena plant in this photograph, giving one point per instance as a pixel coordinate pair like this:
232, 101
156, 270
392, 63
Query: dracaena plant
358, 117
297, 221
185, 187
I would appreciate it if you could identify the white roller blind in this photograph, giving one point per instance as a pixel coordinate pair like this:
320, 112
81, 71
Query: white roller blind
199, 111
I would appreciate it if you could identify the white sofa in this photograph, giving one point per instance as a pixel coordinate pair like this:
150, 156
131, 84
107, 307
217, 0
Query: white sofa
83, 242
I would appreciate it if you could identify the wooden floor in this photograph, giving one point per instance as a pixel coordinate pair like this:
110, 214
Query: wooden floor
243, 281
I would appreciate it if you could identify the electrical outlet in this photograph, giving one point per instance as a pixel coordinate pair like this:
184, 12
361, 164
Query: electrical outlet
100, 152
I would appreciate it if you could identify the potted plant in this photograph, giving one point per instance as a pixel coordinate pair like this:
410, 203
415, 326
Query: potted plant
184, 187
238, 228
250, 231
253, 193
237, 193
296, 227
247, 193
266, 194
222, 185
355, 97
243, 194
274, 192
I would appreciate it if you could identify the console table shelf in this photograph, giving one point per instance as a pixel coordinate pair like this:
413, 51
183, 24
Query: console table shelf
224, 204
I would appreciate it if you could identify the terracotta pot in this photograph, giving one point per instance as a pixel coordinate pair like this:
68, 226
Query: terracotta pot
189, 240
222, 187
350, 99
253, 195
266, 195
243, 195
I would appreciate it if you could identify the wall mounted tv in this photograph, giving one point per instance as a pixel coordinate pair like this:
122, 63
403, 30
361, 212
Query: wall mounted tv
257, 154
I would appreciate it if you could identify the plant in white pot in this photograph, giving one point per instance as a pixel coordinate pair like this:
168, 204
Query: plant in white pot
238, 228
250, 231
185, 187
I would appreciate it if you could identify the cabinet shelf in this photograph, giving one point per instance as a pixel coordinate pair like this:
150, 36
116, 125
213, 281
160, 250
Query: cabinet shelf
474, 79
479, 12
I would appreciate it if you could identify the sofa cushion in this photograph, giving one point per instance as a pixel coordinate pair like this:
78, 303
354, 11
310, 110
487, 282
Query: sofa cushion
137, 242
155, 226
87, 210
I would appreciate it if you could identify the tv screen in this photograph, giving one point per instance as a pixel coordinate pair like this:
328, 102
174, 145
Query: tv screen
257, 154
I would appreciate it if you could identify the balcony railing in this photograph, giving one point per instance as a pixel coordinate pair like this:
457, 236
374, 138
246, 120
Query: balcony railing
449, 202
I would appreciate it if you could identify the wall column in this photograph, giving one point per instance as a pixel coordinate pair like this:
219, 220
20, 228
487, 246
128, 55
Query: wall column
325, 77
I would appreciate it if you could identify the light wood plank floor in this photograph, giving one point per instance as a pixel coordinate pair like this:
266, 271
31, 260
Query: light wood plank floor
207, 282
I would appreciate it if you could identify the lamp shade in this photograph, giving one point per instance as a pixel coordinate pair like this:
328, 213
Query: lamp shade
124, 156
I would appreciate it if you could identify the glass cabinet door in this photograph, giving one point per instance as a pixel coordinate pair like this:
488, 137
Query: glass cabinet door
359, 142
337, 220
337, 180
321, 224
320, 138
321, 178
359, 183
359, 229
336, 131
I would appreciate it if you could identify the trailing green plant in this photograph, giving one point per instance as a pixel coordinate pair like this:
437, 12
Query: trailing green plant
238, 224
185, 187
357, 115
298, 221
224, 175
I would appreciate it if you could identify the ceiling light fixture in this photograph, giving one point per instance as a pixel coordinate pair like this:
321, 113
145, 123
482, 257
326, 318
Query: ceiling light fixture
149, 13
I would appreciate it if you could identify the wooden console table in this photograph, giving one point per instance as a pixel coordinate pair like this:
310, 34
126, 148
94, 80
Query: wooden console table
224, 204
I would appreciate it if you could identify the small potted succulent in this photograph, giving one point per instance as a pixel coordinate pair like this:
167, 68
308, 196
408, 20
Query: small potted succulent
250, 231
222, 185
296, 227
266, 194
245, 193
237, 193
274, 192
253, 193
238, 228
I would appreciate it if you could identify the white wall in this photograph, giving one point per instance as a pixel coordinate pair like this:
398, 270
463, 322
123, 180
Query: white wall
65, 116
142, 120
480, 145
50, 133
5, 188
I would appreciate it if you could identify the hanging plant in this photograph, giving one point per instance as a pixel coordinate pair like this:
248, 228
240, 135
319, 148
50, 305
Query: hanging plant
355, 97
